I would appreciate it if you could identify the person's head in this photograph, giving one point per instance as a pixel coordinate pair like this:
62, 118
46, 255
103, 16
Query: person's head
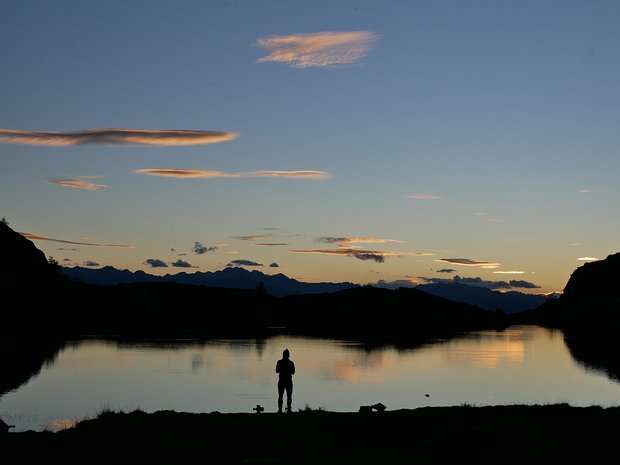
286, 353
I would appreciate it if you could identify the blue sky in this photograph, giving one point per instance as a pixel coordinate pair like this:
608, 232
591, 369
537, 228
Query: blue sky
356, 141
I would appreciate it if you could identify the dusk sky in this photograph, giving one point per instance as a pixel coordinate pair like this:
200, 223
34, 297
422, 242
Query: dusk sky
362, 141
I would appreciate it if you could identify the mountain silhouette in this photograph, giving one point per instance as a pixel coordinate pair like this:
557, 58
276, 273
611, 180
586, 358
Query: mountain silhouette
588, 312
23, 262
589, 301
230, 301
29, 283
488, 299
281, 285
232, 277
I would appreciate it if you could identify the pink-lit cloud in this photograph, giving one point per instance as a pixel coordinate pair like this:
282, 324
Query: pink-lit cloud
171, 137
468, 262
377, 256
209, 174
78, 183
356, 240
319, 49
39, 237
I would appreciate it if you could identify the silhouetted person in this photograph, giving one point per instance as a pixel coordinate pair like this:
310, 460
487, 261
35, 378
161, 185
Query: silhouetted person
285, 369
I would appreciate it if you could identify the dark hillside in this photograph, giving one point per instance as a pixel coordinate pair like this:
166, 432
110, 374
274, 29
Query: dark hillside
588, 312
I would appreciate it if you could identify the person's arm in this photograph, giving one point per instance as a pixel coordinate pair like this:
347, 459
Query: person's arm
292, 368
278, 366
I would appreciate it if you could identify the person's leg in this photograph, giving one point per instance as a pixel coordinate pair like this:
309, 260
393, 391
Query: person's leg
280, 395
289, 396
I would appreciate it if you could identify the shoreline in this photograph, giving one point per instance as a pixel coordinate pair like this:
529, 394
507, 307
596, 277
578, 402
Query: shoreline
488, 434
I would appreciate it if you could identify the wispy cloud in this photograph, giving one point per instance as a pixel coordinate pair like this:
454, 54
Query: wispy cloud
39, 237
468, 262
181, 264
424, 197
508, 272
377, 256
274, 265
172, 137
270, 244
587, 259
208, 174
356, 240
446, 270
78, 183
585, 191
319, 49
249, 238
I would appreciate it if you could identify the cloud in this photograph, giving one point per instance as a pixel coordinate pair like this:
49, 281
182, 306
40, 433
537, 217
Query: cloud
78, 183
269, 244
508, 272
181, 264
585, 191
155, 263
522, 284
468, 262
356, 240
587, 259
38, 237
319, 49
274, 265
171, 137
244, 263
479, 282
90, 263
200, 249
377, 256
446, 270
412, 282
424, 197
208, 174
249, 238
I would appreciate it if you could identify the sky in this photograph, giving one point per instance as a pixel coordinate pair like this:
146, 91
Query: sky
362, 141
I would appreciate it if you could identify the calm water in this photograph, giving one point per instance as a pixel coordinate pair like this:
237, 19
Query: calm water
527, 365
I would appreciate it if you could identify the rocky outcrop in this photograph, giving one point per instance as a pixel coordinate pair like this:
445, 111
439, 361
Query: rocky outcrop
594, 282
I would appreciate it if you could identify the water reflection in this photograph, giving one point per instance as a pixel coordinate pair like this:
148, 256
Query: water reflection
489, 348
517, 365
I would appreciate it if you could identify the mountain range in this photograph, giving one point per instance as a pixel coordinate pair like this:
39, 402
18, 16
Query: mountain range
280, 285
231, 278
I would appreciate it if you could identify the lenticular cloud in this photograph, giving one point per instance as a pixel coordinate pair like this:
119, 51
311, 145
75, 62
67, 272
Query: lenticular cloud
209, 174
169, 137
319, 49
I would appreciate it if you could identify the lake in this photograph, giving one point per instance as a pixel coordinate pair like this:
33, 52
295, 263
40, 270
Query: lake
519, 365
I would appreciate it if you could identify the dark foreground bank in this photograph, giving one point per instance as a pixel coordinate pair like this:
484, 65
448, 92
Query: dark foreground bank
513, 434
